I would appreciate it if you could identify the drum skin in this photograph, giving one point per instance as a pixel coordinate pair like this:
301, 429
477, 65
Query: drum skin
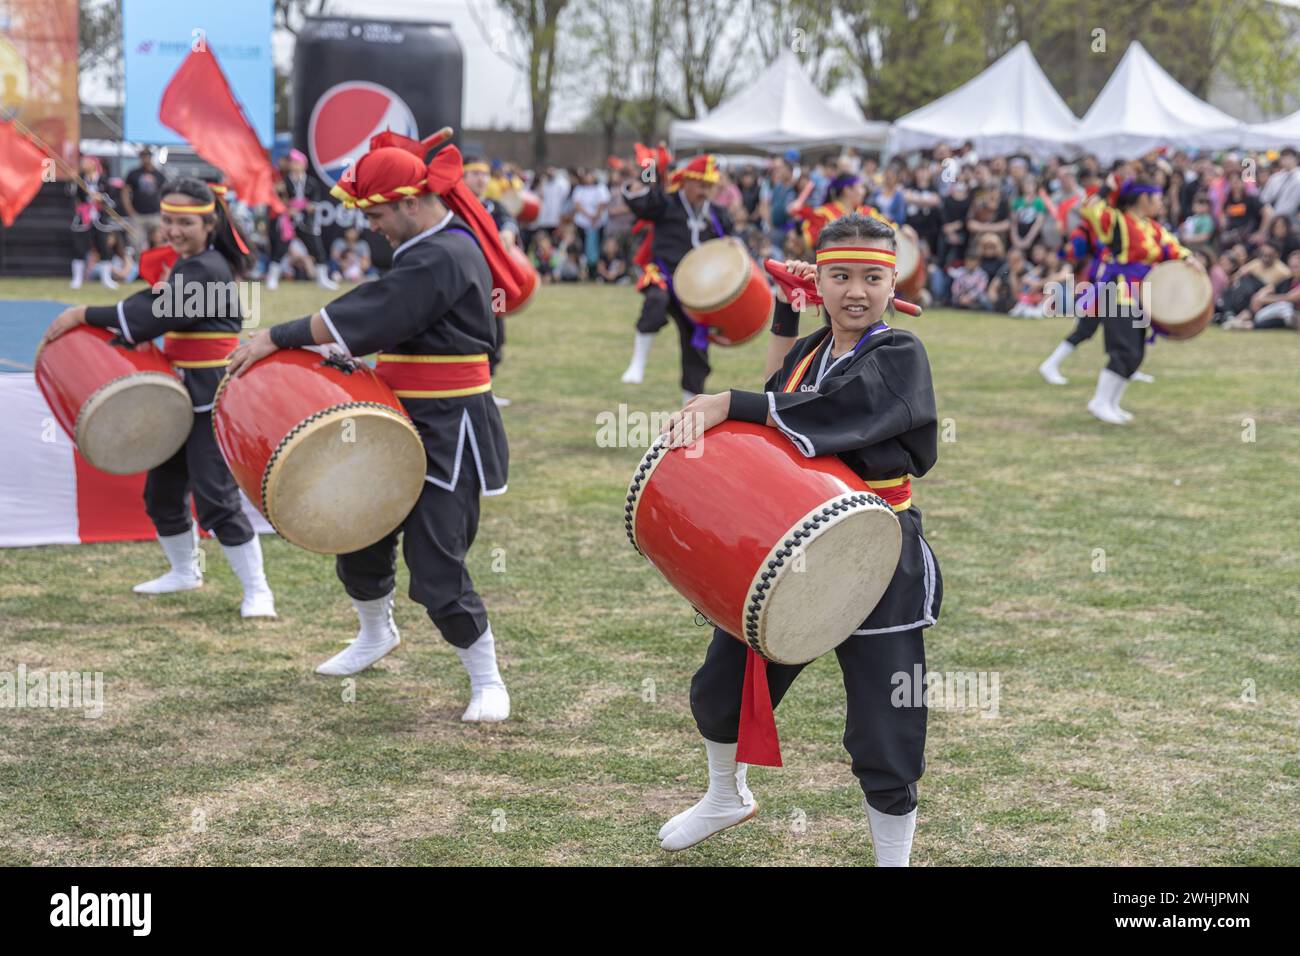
532, 283
911, 267
327, 455
712, 515
720, 286
1180, 297
123, 407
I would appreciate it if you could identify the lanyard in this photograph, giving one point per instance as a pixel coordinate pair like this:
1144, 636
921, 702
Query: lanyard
796, 376
694, 220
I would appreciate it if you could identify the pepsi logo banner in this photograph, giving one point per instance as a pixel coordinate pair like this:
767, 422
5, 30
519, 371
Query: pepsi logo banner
344, 119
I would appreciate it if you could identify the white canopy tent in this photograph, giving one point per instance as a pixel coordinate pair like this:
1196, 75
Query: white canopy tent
1273, 134
1142, 107
778, 111
1009, 108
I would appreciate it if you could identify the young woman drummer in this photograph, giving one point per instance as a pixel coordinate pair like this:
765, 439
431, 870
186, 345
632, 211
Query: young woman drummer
213, 255
859, 389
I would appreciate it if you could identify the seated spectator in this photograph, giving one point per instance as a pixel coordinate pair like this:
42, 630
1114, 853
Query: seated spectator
1281, 233
1259, 273
1029, 212
1197, 230
118, 263
1242, 211
350, 257
971, 284
1274, 307
611, 266
573, 268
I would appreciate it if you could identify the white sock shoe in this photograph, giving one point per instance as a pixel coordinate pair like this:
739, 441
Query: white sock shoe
488, 699
323, 278
1104, 403
246, 561
1141, 377
182, 552
106, 277
78, 273
726, 803
687, 396
378, 636
500, 402
273, 272
1114, 403
891, 836
635, 373
1051, 368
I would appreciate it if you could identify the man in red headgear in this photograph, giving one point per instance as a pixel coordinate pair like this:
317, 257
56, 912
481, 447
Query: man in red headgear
682, 217
430, 318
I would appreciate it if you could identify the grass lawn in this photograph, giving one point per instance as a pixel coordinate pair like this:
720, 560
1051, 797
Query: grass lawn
1148, 714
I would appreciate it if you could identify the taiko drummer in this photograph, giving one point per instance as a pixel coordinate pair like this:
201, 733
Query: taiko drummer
861, 390
430, 318
213, 256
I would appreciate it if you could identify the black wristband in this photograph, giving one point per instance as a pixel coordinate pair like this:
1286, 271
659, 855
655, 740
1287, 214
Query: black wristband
748, 407
102, 316
293, 335
785, 320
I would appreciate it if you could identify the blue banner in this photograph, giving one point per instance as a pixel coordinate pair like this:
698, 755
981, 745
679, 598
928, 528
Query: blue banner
158, 34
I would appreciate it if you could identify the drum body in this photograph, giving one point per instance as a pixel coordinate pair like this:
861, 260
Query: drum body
532, 283
719, 285
523, 206
787, 553
322, 446
1180, 298
123, 407
910, 266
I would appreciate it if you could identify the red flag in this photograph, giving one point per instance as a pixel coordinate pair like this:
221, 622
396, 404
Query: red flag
199, 104
21, 165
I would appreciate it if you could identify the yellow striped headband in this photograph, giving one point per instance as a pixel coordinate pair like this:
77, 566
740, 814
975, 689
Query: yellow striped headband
191, 210
858, 255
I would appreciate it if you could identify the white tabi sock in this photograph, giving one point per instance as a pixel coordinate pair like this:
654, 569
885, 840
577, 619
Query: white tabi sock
378, 636
246, 561
182, 553
323, 278
1141, 377
273, 272
488, 699
891, 836
726, 802
1051, 368
78, 273
1103, 403
640, 355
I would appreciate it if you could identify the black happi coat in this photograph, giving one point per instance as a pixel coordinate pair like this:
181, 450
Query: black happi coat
435, 300
876, 410
672, 225
204, 278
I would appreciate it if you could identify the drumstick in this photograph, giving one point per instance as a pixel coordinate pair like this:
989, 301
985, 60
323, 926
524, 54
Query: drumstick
438, 138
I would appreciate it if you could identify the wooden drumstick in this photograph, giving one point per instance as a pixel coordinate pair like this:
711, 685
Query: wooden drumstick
438, 138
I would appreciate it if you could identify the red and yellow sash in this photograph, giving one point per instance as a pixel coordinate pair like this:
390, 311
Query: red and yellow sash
435, 376
199, 349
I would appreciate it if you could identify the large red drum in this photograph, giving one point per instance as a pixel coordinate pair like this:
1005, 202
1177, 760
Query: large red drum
720, 286
517, 304
523, 206
123, 406
910, 265
322, 447
1179, 297
787, 553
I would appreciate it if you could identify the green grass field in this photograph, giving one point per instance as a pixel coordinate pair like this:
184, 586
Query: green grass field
1149, 712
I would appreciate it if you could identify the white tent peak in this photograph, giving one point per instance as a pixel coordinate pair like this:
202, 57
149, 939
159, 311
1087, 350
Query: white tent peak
1010, 107
1142, 107
780, 109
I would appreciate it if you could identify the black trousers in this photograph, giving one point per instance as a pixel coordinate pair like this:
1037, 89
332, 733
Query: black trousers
436, 536
656, 306
498, 353
197, 468
315, 248
1125, 345
1085, 327
886, 743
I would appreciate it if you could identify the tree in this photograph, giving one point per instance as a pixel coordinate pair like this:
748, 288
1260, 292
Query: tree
807, 27
601, 36
696, 40
289, 15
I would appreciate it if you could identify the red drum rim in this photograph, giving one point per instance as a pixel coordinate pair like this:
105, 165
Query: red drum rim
745, 275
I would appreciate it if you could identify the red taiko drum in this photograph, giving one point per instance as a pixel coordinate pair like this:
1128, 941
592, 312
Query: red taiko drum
910, 266
532, 283
123, 406
522, 205
322, 447
787, 553
719, 285
1180, 298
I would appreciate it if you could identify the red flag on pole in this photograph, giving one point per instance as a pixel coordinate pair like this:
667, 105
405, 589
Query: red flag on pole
21, 166
198, 104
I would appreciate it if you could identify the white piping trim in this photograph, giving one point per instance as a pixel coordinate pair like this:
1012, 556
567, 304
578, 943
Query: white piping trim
801, 442
629, 194
424, 235
928, 558
121, 323
334, 332
466, 427
204, 408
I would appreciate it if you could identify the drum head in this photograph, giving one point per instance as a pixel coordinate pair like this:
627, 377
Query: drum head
711, 275
1179, 294
909, 256
134, 423
823, 591
512, 202
344, 478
